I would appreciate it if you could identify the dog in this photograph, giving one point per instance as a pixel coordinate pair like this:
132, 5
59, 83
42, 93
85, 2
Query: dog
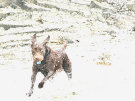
48, 62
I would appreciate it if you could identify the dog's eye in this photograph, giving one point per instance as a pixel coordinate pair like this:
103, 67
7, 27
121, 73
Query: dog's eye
42, 51
35, 49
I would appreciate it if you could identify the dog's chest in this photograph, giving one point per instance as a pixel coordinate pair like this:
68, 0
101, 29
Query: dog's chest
43, 69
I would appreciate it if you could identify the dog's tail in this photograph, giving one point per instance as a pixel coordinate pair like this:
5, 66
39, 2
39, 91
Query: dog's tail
64, 46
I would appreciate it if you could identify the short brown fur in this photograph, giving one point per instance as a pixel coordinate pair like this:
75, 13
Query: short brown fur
51, 62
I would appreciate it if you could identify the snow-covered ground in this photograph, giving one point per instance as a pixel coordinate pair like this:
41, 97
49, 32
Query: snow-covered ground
115, 82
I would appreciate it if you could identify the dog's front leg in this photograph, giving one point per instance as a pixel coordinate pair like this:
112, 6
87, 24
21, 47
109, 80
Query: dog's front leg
45, 78
33, 79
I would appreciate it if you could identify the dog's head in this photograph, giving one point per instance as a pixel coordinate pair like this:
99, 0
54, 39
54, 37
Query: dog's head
39, 49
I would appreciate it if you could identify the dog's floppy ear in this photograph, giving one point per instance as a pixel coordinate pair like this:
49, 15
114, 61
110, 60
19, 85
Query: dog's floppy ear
33, 38
46, 40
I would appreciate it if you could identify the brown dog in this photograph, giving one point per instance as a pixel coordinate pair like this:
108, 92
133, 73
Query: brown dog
47, 61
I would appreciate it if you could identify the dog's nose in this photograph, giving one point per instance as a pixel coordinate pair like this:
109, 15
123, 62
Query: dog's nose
37, 59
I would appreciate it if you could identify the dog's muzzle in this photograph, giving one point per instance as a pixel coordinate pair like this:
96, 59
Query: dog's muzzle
38, 58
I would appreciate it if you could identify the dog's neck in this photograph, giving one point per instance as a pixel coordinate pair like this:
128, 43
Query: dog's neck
47, 53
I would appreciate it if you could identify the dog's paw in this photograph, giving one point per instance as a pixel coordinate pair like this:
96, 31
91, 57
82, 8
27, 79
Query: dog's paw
29, 93
41, 85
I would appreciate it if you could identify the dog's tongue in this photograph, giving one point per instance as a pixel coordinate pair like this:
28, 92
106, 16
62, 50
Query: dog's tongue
39, 62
